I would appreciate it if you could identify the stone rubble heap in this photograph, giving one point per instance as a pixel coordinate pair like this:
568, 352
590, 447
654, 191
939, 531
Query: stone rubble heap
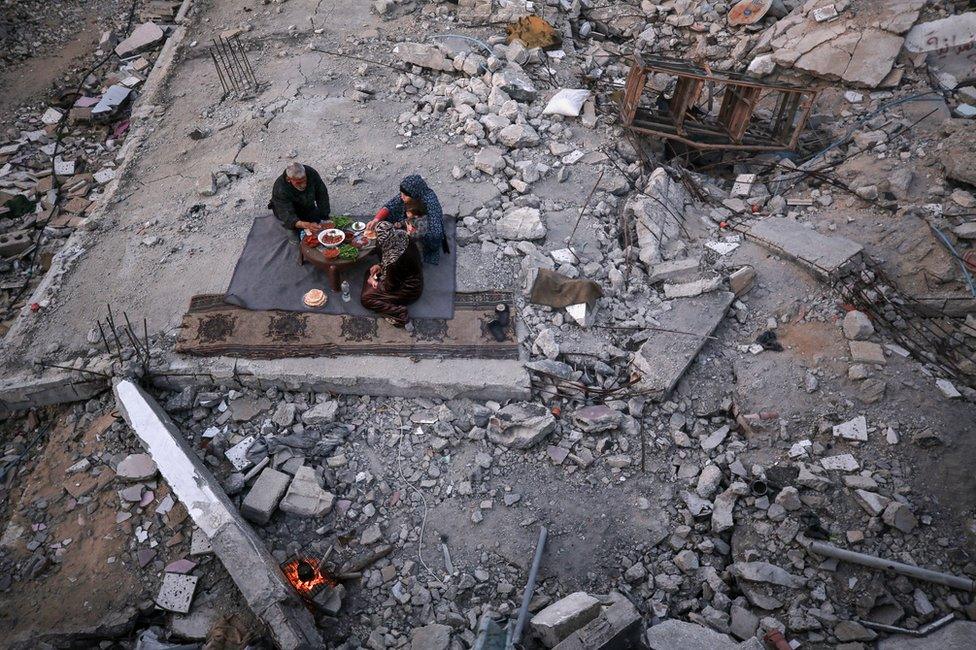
65, 154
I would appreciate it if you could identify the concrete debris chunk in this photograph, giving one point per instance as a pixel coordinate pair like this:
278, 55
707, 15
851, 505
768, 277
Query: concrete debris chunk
856, 429
856, 47
113, 98
947, 389
323, 413
767, 573
872, 502
867, 352
144, 37
136, 467
596, 419
521, 426
842, 462
521, 224
305, 497
617, 626
827, 256
900, 516
664, 357
565, 616
425, 56
261, 502
674, 635
431, 637
857, 326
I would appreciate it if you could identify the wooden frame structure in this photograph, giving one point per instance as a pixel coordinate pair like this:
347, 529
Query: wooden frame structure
686, 117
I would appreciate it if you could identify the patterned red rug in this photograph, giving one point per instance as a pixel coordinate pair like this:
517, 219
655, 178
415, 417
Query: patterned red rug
212, 327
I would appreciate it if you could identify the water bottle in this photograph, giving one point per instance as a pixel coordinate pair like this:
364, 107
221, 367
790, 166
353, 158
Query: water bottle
346, 296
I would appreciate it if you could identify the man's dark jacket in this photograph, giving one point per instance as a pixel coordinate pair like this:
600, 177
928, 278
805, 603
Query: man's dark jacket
291, 205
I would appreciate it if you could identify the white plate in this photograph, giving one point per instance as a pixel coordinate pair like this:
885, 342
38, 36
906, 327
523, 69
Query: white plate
331, 232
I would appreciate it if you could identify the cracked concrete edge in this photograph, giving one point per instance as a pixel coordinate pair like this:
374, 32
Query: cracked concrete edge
482, 379
248, 561
23, 392
74, 247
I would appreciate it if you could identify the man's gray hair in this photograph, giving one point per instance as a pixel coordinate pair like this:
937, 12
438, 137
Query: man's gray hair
295, 170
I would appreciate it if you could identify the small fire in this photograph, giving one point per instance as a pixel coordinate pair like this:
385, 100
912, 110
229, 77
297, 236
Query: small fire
305, 575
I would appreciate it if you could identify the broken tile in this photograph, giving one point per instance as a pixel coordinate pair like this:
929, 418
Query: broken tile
176, 592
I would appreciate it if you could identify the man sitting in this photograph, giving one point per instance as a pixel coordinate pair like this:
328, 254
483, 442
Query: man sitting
300, 199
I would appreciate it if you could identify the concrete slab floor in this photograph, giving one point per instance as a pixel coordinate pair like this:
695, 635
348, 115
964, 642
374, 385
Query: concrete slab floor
200, 238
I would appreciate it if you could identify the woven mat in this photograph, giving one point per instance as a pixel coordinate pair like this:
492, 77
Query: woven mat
213, 327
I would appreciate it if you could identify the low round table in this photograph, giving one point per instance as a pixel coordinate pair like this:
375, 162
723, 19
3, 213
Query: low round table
333, 267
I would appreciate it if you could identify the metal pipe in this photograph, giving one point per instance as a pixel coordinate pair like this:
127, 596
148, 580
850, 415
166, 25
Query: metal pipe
922, 631
529, 589
910, 570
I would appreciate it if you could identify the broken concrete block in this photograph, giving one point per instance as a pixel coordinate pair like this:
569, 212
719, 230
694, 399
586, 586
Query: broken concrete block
674, 635
431, 637
664, 357
867, 352
521, 224
261, 502
565, 616
144, 37
305, 497
323, 413
136, 467
516, 136
947, 388
856, 429
675, 270
617, 626
857, 326
841, 462
490, 160
946, 43
692, 289
872, 502
766, 573
423, 55
237, 455
657, 215
52, 116
514, 81
899, 515
741, 280
826, 256
596, 419
521, 426
723, 507
14, 242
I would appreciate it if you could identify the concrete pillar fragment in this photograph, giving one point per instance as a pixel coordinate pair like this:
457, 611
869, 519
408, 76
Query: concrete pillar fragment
247, 560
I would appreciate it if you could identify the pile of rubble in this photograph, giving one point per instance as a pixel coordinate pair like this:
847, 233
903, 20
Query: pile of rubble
57, 160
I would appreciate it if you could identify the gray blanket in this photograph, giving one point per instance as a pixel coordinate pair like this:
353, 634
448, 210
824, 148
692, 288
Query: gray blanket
268, 276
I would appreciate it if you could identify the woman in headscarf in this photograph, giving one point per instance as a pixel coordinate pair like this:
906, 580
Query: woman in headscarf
419, 210
398, 279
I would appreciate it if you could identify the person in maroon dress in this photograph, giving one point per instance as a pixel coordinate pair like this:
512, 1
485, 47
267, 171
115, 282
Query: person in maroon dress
398, 280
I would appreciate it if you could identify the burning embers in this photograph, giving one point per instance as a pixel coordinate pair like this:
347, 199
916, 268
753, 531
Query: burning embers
306, 576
